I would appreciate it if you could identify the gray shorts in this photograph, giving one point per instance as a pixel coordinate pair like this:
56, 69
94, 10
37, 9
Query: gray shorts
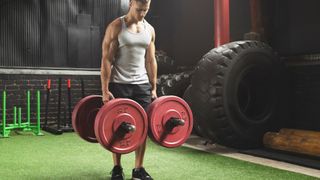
141, 93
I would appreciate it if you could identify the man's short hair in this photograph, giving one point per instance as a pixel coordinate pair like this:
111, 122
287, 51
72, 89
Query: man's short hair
143, 1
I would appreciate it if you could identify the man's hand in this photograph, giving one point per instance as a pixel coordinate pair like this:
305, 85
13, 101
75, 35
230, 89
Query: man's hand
107, 96
154, 94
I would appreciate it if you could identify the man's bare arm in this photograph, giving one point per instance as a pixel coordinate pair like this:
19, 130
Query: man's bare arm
151, 65
109, 50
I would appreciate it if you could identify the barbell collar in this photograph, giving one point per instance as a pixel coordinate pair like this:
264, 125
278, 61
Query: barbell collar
174, 122
128, 127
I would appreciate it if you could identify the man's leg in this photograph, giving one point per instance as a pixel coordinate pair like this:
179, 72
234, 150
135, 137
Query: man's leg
119, 91
117, 171
139, 172
140, 155
142, 95
116, 159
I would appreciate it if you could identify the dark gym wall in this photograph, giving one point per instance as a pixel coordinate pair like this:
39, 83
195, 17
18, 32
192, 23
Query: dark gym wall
185, 27
185, 30
68, 33
59, 33
240, 21
294, 26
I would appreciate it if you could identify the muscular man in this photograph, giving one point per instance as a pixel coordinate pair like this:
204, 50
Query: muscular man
129, 69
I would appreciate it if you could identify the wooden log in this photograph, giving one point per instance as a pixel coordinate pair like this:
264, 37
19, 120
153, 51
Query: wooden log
292, 143
302, 133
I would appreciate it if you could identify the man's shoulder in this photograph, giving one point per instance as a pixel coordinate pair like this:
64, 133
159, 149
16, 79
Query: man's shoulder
150, 27
148, 24
115, 24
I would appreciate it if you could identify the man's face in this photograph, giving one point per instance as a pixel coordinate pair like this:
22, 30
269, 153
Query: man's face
139, 10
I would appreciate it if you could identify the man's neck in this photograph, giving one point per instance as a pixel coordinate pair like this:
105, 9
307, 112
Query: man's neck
130, 20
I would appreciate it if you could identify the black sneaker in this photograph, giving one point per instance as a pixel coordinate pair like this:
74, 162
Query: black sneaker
140, 174
117, 173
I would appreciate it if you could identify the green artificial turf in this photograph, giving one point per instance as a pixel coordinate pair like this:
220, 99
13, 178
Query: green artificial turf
25, 156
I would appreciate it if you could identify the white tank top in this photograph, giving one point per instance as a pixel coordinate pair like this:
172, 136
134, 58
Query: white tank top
129, 64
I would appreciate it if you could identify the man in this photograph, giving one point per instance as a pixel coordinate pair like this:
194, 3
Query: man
129, 69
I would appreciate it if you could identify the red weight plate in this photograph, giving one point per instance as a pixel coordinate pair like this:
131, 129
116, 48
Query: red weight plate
160, 112
83, 116
111, 116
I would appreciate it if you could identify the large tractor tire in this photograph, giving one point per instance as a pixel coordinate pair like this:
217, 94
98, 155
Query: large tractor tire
235, 92
196, 126
165, 63
173, 84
